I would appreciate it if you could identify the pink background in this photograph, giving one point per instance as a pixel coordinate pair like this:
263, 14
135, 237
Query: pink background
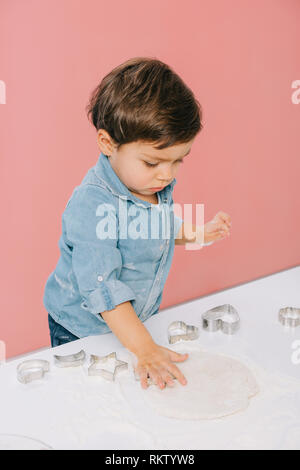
240, 57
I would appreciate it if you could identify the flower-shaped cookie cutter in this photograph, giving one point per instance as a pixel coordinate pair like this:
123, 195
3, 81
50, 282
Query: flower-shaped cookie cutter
94, 368
289, 316
180, 331
224, 317
33, 369
71, 360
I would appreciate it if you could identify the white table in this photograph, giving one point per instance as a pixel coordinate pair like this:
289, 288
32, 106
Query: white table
68, 409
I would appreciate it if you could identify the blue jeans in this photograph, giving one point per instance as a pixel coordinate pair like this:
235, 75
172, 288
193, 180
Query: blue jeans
58, 334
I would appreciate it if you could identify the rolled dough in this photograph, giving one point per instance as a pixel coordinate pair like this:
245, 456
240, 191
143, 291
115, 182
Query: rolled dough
217, 386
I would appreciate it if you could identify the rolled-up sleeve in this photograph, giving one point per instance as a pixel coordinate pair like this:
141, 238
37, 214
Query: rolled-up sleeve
91, 229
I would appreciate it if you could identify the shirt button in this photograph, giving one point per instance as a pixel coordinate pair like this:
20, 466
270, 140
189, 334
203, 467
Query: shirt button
100, 278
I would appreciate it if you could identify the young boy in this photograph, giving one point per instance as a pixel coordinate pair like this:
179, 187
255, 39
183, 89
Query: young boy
112, 280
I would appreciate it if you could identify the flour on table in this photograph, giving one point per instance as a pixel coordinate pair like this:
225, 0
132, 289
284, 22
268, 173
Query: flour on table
217, 386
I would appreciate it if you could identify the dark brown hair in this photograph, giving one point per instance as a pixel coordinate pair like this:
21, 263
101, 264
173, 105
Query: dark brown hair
144, 99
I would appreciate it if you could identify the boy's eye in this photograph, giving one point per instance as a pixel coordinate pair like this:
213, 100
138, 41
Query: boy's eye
151, 164
155, 164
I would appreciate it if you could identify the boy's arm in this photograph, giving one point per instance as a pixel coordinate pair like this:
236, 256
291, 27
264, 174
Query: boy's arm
153, 360
184, 235
217, 229
188, 233
125, 324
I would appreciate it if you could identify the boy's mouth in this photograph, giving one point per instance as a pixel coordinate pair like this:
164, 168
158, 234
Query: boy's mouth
157, 189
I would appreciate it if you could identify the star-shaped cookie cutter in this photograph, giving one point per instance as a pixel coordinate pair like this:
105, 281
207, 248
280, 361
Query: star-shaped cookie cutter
71, 360
289, 316
94, 368
180, 331
33, 369
224, 317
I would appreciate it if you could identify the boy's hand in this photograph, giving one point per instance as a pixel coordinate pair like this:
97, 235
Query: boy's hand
218, 228
157, 362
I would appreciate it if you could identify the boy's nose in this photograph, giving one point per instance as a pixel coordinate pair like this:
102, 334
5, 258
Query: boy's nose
165, 178
164, 183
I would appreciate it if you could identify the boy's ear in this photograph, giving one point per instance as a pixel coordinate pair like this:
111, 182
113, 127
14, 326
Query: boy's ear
105, 142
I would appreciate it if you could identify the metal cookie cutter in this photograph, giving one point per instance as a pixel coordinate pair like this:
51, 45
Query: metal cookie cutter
178, 330
94, 368
72, 360
289, 316
224, 317
31, 370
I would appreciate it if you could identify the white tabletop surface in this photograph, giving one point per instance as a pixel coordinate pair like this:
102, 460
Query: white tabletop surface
69, 410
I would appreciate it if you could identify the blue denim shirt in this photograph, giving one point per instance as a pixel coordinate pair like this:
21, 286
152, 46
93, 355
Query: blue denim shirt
94, 273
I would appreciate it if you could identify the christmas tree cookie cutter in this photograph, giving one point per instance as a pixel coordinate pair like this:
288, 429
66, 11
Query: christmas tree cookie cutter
97, 361
224, 317
289, 316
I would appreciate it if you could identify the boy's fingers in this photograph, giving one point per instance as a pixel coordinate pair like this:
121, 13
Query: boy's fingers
226, 218
223, 217
176, 373
217, 227
143, 379
214, 227
162, 372
156, 377
172, 368
167, 377
144, 376
224, 228
175, 356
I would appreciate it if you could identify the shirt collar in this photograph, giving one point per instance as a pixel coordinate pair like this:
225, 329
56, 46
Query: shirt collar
112, 182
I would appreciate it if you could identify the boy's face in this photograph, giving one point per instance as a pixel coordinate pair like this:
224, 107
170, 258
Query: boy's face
142, 168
